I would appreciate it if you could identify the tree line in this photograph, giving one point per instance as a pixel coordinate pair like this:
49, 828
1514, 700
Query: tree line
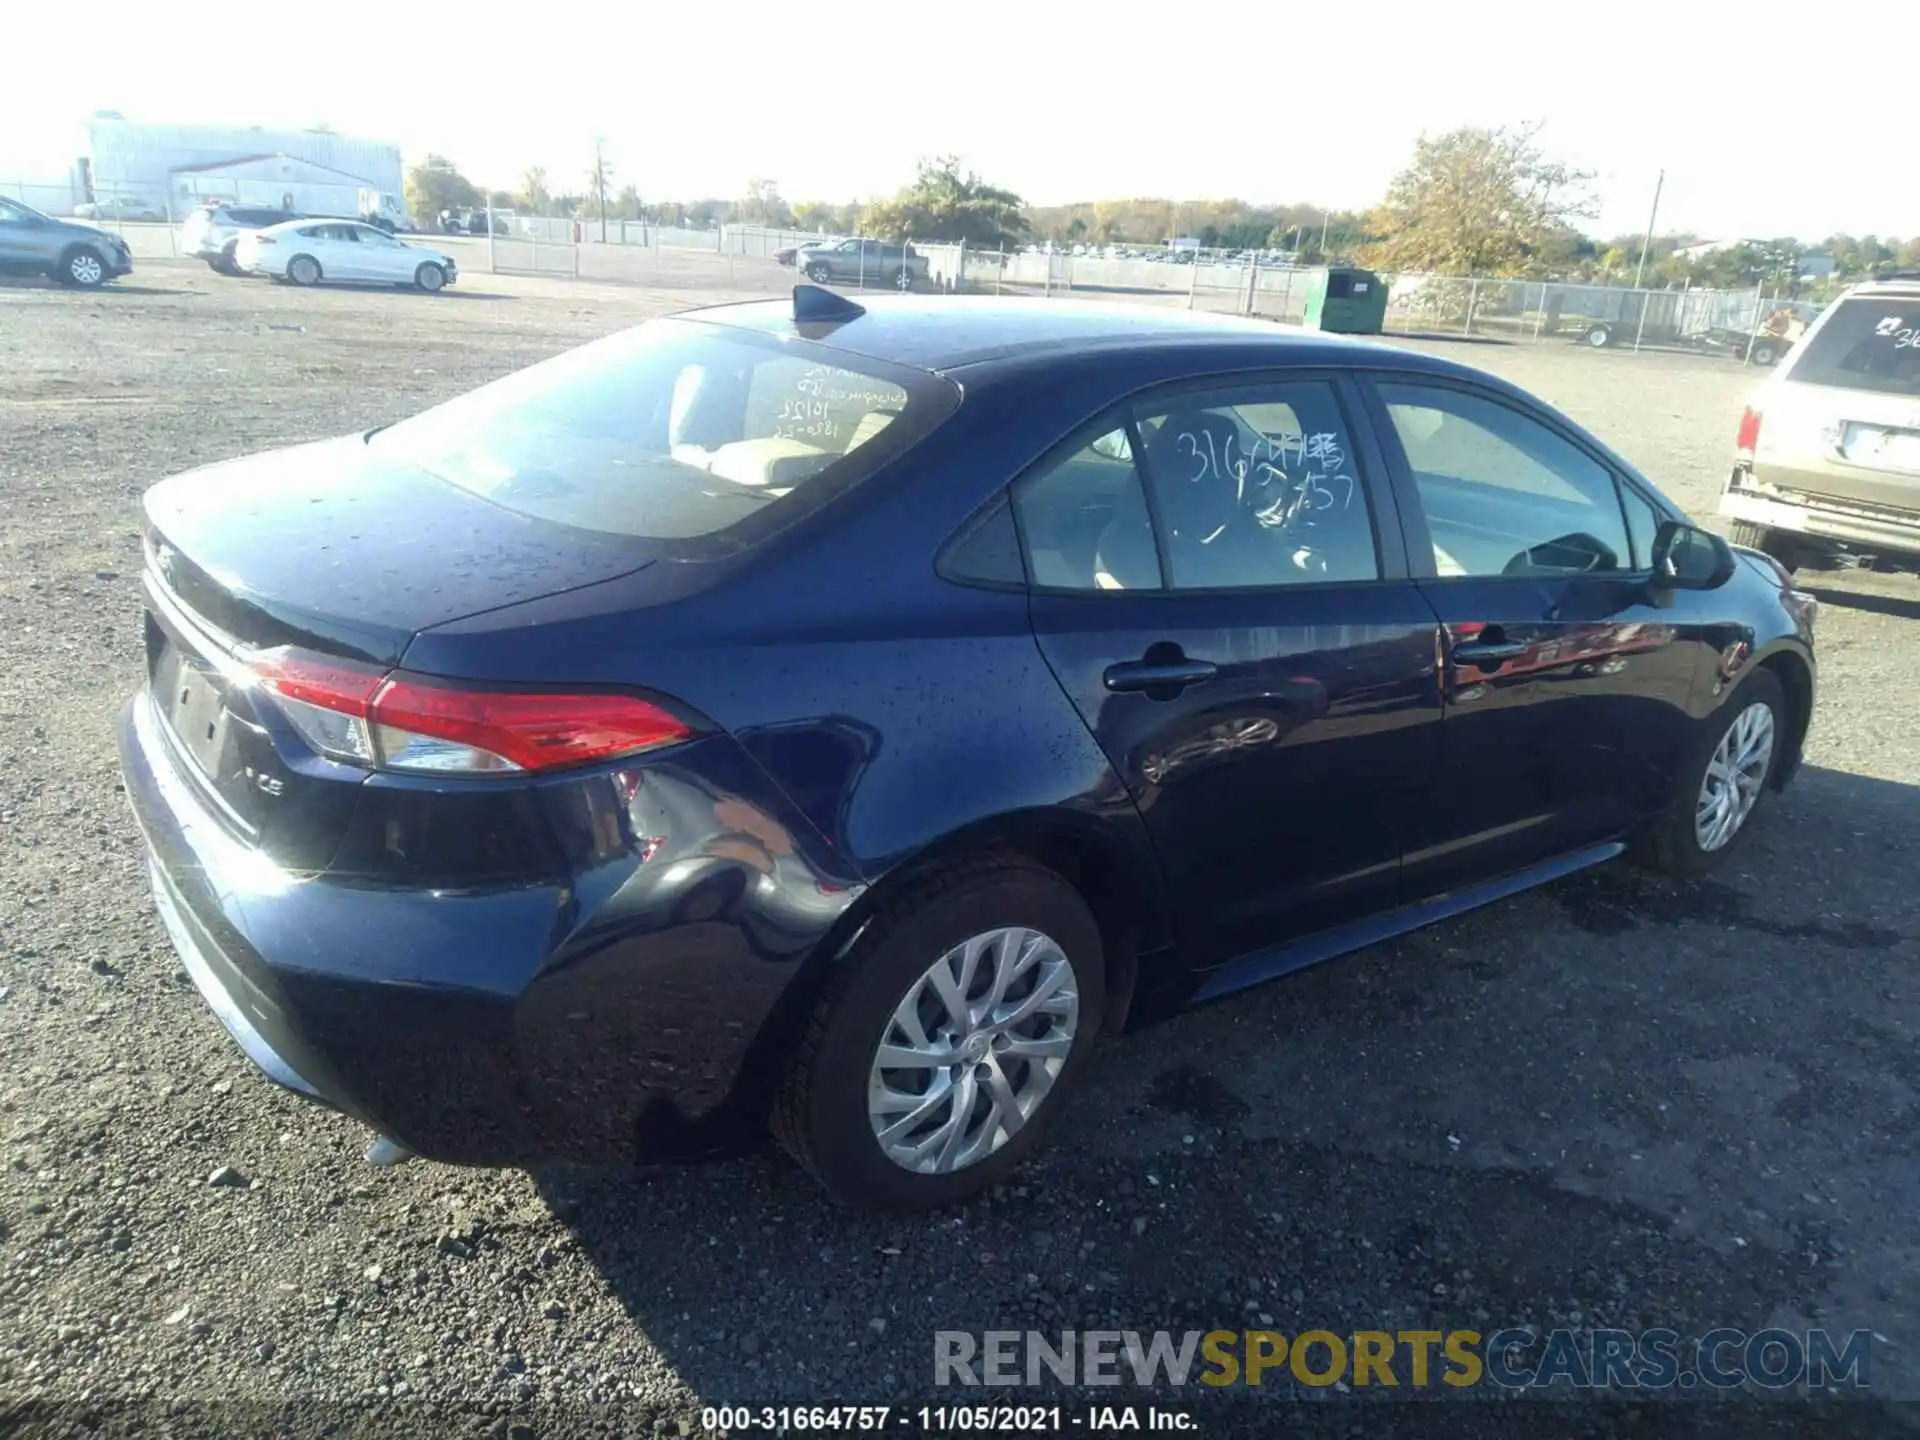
1474, 201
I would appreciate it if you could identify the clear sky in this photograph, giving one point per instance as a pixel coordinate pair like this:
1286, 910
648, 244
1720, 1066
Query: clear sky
1801, 125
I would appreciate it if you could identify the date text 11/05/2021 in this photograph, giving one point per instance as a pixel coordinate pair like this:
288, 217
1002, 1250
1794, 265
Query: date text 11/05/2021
978, 1419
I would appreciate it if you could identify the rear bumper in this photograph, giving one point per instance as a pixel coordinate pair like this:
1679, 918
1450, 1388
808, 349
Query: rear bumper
627, 1012
1877, 528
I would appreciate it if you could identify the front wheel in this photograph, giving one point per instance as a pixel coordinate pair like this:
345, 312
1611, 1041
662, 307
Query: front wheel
83, 267
947, 1039
818, 273
430, 277
1715, 796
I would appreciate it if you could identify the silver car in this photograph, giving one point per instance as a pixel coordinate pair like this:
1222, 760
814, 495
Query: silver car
1828, 454
73, 254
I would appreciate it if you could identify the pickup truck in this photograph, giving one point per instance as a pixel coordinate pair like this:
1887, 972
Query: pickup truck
863, 262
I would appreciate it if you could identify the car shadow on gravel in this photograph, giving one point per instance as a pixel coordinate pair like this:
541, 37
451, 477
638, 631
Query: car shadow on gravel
33, 282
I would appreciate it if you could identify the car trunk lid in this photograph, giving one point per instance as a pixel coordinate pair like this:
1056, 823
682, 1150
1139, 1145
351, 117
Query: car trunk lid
328, 549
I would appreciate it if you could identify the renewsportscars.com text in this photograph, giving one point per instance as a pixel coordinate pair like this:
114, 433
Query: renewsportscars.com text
1512, 1358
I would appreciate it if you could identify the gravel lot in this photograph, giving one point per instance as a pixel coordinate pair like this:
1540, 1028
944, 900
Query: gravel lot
1613, 1101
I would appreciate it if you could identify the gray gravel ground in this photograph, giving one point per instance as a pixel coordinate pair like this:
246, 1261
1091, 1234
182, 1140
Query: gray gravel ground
1613, 1101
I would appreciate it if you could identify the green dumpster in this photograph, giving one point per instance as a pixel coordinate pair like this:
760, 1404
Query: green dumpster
1346, 301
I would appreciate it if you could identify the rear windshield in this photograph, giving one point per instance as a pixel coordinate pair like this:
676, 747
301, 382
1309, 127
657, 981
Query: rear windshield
1870, 342
676, 430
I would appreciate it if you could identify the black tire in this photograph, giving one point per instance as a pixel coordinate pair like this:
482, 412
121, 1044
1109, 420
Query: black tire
84, 268
820, 1117
1670, 842
304, 270
1765, 352
430, 278
819, 273
1768, 542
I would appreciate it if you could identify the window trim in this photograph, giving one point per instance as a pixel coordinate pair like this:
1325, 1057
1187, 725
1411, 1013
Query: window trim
1413, 516
1375, 478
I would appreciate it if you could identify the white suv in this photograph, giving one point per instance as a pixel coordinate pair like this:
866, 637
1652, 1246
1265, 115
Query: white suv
1828, 456
210, 231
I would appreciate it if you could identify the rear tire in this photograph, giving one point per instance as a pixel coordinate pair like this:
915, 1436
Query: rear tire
430, 278
1767, 542
835, 1103
1598, 337
304, 270
1764, 352
1673, 842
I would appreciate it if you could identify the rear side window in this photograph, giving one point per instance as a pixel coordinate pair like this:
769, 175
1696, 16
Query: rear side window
676, 430
1870, 342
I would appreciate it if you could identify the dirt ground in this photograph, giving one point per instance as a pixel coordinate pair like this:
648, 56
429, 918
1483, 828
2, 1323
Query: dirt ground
1611, 1101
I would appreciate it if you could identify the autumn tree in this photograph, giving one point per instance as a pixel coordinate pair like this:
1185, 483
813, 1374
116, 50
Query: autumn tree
946, 204
762, 205
597, 179
1479, 202
534, 194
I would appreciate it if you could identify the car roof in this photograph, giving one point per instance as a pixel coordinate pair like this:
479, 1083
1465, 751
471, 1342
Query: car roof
1903, 284
945, 333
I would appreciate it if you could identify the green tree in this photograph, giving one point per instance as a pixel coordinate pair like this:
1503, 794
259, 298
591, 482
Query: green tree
435, 185
1479, 202
533, 190
945, 204
627, 204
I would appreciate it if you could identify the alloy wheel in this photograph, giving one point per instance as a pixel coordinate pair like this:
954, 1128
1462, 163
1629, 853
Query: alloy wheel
972, 1051
86, 268
1735, 775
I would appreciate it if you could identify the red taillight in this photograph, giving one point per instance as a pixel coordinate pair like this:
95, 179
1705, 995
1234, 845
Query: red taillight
407, 722
1749, 437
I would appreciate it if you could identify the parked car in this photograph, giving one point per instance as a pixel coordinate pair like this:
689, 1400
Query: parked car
1827, 459
307, 252
35, 244
733, 725
117, 210
864, 262
211, 232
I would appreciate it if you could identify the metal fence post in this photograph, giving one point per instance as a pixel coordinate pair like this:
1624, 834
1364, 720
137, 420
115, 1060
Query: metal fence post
1286, 294
1000, 272
1253, 283
1540, 312
1193, 280
1640, 329
493, 245
1473, 299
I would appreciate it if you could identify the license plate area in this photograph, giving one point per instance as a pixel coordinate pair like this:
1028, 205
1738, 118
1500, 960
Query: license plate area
1883, 447
191, 700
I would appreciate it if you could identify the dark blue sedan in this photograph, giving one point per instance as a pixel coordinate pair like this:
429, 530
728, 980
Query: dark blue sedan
833, 719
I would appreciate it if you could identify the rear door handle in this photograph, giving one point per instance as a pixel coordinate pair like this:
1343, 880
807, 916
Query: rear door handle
1488, 654
1175, 675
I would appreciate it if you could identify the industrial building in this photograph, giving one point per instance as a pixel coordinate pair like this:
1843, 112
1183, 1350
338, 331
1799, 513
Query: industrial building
175, 167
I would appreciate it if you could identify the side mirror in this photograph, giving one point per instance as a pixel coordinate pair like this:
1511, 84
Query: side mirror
1688, 558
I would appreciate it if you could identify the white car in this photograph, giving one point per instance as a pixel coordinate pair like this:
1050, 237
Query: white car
307, 252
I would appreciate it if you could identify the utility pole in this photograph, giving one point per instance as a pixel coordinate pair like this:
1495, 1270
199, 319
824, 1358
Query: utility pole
1326, 219
600, 182
1647, 244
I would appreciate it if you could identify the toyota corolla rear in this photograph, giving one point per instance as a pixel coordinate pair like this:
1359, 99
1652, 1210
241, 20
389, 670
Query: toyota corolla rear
497, 920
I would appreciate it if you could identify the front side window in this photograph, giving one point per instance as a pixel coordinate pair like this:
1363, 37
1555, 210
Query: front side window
1257, 487
674, 430
12, 213
1503, 494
